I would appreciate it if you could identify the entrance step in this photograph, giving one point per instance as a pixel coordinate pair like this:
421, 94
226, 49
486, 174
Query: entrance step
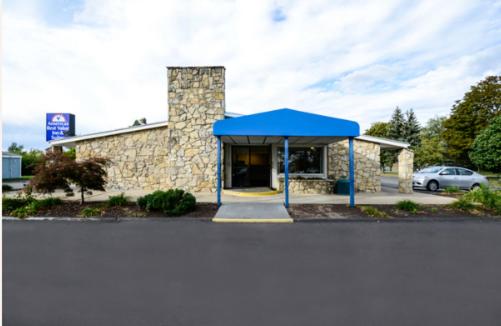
251, 192
252, 213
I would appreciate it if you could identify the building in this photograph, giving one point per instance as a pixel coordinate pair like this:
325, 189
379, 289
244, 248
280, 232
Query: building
182, 152
11, 165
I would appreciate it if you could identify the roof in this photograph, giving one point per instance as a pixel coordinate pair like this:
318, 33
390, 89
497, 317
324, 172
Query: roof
384, 142
286, 122
70, 141
9, 154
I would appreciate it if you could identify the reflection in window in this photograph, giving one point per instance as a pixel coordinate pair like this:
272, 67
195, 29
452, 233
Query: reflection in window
302, 160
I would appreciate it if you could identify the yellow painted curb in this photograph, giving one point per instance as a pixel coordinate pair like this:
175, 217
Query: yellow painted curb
252, 220
251, 194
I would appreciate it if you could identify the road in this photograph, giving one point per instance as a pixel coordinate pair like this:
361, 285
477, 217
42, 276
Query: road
200, 273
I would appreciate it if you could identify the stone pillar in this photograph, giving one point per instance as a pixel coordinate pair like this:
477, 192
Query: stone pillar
196, 98
405, 170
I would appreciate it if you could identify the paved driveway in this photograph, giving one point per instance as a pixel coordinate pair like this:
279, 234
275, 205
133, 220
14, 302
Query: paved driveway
201, 273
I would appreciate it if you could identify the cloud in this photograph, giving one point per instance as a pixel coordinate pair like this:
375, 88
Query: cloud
104, 60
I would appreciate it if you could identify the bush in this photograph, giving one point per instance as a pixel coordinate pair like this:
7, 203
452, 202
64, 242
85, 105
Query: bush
27, 210
489, 199
172, 202
463, 204
452, 189
11, 204
7, 188
90, 211
118, 200
408, 206
49, 202
373, 212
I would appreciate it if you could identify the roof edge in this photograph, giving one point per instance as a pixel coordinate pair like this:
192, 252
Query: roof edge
384, 141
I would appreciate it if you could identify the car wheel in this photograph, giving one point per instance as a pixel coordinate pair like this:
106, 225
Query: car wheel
475, 186
432, 185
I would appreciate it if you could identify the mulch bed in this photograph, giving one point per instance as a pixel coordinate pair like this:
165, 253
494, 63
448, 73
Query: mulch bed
341, 211
73, 209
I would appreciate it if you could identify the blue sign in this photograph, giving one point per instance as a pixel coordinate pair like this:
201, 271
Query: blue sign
59, 125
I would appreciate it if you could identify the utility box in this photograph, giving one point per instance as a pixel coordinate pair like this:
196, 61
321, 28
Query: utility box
11, 165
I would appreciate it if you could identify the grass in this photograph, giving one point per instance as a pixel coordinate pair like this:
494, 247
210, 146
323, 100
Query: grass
23, 178
373, 212
408, 206
463, 204
90, 212
452, 189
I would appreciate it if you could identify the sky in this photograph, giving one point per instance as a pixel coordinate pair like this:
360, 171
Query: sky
105, 60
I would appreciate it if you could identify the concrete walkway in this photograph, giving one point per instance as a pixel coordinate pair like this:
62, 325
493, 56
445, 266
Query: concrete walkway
252, 212
361, 198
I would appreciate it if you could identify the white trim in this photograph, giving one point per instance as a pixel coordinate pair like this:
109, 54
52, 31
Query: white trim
74, 139
383, 141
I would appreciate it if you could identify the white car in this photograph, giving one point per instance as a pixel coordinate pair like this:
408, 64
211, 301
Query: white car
440, 177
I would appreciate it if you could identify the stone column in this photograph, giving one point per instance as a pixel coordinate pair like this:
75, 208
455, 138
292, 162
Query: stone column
405, 170
196, 98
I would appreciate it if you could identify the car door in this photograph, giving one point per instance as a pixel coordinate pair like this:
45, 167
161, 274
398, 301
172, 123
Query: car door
465, 178
447, 178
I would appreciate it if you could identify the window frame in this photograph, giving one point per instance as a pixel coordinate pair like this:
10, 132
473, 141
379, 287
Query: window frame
324, 162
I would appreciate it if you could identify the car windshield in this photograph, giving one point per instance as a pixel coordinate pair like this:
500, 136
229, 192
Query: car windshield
432, 169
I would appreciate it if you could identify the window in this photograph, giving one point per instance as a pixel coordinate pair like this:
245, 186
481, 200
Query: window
448, 171
464, 172
303, 160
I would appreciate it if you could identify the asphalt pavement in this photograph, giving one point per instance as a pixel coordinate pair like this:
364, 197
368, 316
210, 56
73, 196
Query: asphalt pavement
179, 272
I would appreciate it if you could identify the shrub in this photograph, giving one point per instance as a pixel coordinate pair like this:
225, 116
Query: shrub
6, 188
118, 200
452, 189
172, 202
90, 211
489, 199
27, 210
463, 204
10, 204
49, 202
408, 206
373, 212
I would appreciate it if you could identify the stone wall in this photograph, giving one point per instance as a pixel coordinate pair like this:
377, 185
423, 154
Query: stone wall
405, 170
138, 160
367, 164
308, 186
196, 98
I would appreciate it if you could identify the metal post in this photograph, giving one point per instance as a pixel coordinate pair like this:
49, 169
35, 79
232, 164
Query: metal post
218, 171
286, 171
352, 172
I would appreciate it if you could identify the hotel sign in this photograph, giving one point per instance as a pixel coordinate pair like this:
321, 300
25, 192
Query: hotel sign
59, 125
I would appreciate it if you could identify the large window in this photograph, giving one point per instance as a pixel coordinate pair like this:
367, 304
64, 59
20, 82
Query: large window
304, 160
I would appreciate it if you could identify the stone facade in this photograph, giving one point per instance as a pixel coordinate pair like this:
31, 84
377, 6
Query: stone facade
196, 98
308, 186
138, 160
367, 164
405, 170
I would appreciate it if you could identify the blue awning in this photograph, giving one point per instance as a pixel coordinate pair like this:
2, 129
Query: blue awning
286, 122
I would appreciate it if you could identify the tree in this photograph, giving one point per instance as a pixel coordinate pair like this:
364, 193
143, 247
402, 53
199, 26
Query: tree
411, 129
470, 116
30, 160
431, 149
486, 152
58, 171
378, 129
16, 149
397, 125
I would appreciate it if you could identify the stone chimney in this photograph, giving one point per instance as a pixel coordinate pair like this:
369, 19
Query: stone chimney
196, 99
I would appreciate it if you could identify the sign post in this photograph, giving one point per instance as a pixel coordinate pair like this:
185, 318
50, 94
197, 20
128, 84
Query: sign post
59, 125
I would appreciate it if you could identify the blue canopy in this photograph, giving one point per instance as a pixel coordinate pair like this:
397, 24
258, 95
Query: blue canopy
286, 122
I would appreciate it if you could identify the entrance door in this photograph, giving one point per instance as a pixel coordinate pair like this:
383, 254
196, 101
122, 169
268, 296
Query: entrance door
250, 166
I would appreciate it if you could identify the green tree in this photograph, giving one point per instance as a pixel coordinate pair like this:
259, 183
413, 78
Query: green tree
431, 149
411, 129
397, 125
486, 153
29, 160
378, 129
16, 149
470, 116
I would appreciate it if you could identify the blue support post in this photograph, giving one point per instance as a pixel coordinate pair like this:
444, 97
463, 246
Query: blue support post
352, 172
286, 171
218, 171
